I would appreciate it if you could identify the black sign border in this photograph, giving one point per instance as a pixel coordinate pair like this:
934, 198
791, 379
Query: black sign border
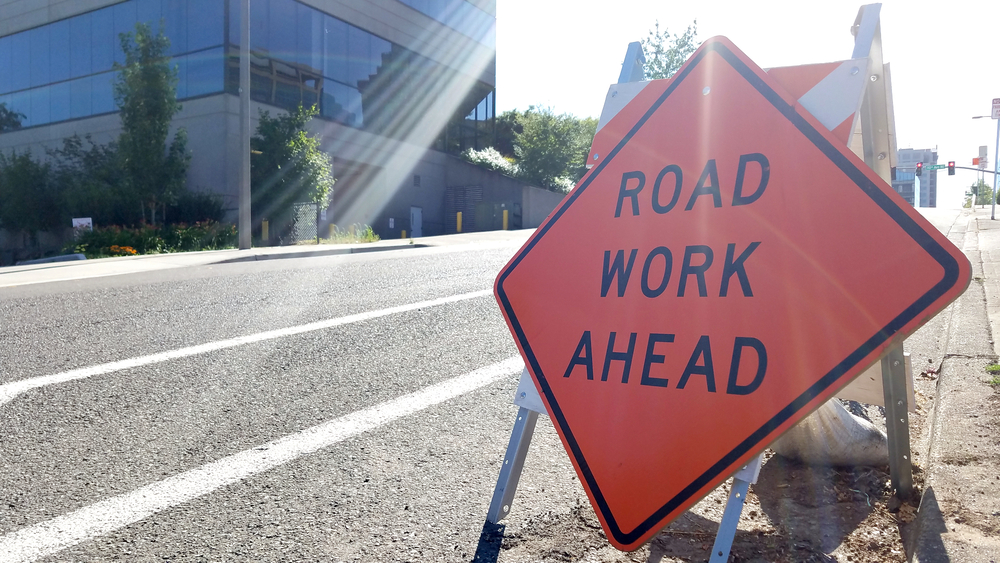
856, 175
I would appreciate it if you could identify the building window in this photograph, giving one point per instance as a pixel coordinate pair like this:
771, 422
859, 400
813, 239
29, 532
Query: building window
64, 70
474, 130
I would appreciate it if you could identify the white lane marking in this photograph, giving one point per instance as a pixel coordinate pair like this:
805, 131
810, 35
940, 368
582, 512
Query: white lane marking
101, 518
9, 391
3, 283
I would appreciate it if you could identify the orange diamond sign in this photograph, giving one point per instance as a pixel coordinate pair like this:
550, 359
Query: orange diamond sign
721, 272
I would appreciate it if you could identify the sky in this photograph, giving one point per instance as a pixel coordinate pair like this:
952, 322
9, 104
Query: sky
944, 58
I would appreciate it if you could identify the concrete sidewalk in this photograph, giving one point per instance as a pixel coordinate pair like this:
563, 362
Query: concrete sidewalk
959, 515
28, 274
62, 271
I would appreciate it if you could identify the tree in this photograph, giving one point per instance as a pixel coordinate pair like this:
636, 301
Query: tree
91, 183
286, 167
665, 53
552, 149
508, 125
979, 193
9, 119
146, 94
29, 199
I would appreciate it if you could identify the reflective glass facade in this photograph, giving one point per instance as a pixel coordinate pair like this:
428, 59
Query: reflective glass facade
299, 55
64, 70
475, 130
461, 16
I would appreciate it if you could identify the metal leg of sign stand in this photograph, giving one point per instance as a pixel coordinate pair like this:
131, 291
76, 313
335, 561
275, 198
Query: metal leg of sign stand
734, 508
513, 462
878, 133
531, 406
897, 421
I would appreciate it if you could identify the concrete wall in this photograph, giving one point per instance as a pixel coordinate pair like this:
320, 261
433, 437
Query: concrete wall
393, 193
102, 128
212, 125
538, 204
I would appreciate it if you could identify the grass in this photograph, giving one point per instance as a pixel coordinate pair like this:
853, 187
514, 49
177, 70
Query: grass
351, 235
994, 370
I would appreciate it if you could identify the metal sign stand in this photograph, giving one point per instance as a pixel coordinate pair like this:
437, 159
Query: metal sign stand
530, 406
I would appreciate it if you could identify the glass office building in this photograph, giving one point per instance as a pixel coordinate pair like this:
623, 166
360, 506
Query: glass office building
918, 192
369, 66
300, 55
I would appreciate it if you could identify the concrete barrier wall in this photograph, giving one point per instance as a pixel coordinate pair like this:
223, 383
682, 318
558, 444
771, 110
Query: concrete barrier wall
537, 205
495, 184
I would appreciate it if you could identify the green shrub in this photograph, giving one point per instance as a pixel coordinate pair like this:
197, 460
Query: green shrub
118, 241
195, 207
491, 159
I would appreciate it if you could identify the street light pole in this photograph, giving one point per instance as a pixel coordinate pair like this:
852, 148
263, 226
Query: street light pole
995, 170
996, 167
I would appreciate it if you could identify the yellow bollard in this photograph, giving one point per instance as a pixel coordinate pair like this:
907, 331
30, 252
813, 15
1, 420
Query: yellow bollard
403, 235
351, 230
263, 228
459, 220
505, 219
333, 230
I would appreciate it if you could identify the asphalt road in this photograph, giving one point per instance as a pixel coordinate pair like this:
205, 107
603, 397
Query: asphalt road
339, 408
326, 408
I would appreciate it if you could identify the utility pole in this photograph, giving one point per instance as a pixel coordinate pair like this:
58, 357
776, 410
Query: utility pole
244, 226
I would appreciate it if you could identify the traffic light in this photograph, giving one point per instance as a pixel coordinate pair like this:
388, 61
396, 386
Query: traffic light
951, 167
920, 168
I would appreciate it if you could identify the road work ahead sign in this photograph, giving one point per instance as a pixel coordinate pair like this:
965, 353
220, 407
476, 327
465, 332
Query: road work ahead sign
725, 269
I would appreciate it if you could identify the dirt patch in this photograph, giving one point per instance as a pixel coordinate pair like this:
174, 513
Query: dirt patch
961, 460
988, 524
794, 513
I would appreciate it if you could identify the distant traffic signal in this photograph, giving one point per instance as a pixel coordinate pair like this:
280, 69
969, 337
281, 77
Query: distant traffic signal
920, 168
951, 167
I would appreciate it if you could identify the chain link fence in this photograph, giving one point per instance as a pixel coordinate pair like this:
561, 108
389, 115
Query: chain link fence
305, 222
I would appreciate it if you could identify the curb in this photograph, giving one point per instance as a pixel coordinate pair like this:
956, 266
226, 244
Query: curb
60, 258
323, 252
